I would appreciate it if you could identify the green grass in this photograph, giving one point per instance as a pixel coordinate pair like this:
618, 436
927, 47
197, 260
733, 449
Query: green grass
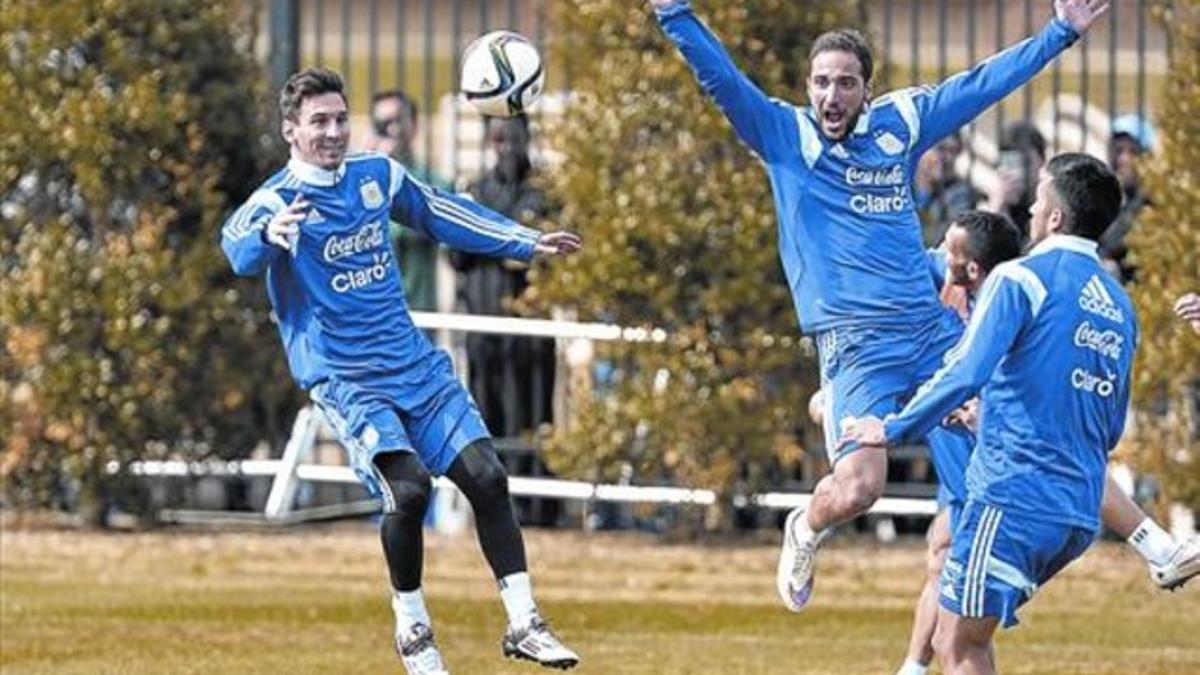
313, 600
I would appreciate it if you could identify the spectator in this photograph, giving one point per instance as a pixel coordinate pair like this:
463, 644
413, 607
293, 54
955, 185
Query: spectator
511, 377
1131, 137
940, 193
1022, 154
394, 119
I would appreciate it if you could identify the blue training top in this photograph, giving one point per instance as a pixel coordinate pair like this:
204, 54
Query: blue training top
849, 236
338, 298
1049, 349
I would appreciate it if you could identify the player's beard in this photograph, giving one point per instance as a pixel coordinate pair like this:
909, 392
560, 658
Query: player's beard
849, 119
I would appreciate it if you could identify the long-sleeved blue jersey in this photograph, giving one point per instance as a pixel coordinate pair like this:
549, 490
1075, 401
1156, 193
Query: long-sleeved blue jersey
338, 297
849, 236
1050, 350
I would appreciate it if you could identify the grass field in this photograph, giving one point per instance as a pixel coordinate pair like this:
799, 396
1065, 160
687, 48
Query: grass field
312, 600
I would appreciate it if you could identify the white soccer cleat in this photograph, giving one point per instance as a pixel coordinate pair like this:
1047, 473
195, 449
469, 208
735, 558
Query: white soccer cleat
794, 576
419, 653
1182, 566
536, 642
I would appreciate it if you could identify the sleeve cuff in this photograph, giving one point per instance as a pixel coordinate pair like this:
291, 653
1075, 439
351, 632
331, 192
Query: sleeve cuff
674, 9
1065, 31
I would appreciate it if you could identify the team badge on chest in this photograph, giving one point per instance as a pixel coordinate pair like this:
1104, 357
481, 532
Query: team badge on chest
889, 144
372, 196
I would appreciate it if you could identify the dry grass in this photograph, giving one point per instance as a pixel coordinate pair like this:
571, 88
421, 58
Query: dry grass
312, 600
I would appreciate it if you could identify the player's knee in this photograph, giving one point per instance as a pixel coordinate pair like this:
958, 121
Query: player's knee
862, 492
480, 475
408, 485
411, 497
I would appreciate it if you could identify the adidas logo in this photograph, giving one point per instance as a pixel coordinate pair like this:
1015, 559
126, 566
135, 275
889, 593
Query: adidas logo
1095, 299
314, 217
839, 151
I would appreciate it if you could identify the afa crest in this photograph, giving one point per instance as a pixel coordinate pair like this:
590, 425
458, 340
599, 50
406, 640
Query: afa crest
372, 196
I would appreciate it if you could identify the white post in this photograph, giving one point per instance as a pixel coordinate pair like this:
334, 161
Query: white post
299, 445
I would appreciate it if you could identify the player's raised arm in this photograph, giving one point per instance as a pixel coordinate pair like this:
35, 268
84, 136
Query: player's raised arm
946, 107
467, 226
767, 126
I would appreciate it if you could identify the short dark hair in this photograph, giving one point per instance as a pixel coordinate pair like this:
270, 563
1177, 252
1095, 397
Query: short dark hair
306, 84
991, 237
1089, 193
845, 40
400, 95
1022, 135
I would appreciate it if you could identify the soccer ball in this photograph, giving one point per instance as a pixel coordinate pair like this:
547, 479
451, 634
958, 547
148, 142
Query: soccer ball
502, 74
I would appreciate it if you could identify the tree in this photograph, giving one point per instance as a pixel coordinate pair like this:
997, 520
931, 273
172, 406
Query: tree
1164, 247
133, 126
680, 231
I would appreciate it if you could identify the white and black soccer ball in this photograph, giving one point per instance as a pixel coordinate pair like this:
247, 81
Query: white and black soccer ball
502, 74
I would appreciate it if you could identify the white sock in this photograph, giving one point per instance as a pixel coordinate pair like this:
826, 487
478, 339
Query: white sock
911, 667
517, 595
1152, 542
409, 607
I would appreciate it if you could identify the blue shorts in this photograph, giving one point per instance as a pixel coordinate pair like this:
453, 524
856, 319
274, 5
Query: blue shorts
874, 371
436, 420
998, 560
950, 449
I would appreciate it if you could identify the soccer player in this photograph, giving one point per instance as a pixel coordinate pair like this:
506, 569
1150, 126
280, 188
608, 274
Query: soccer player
318, 229
976, 242
1049, 349
849, 237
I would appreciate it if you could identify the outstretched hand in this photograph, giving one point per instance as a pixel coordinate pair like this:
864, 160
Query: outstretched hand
1080, 14
559, 243
1188, 309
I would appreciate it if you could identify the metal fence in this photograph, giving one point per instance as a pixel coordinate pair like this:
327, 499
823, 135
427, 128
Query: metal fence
415, 45
1117, 69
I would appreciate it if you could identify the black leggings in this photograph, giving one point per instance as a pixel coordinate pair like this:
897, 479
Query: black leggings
478, 473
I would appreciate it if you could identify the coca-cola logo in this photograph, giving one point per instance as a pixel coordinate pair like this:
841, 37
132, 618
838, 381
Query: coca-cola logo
1106, 342
893, 176
368, 237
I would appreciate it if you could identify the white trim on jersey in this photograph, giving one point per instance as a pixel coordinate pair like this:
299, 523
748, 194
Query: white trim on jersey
456, 213
902, 99
810, 140
1030, 284
240, 226
315, 175
1067, 242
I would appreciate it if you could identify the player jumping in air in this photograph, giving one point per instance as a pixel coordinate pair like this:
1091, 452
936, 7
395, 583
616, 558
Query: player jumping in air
849, 237
319, 230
